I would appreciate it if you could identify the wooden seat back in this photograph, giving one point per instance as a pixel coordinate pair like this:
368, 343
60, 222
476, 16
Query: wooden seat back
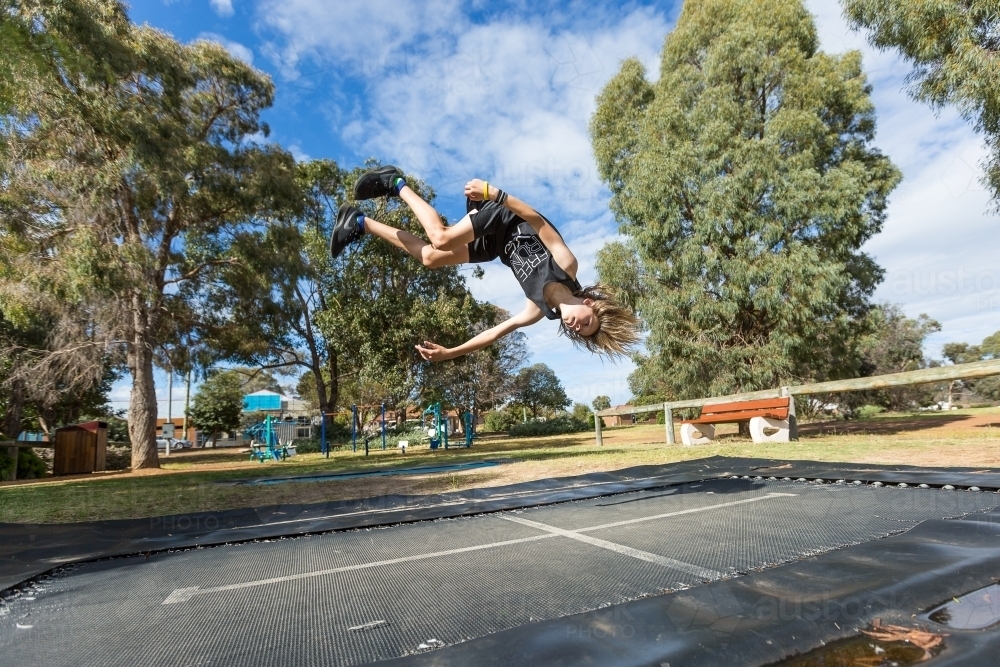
775, 408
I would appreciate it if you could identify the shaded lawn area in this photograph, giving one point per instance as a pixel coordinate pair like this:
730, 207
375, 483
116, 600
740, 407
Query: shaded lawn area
195, 481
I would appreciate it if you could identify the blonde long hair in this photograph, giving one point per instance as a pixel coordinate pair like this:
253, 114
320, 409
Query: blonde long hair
618, 330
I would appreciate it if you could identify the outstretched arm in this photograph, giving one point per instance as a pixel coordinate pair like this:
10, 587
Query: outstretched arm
475, 190
433, 352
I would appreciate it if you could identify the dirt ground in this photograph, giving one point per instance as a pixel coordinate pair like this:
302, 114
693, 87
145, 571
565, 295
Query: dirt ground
202, 480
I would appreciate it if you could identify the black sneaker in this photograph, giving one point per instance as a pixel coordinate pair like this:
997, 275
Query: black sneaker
346, 230
377, 183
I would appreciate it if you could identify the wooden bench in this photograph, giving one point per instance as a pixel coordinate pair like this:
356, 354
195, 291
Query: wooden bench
775, 414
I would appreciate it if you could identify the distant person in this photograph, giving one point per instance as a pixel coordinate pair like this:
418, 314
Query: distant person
497, 225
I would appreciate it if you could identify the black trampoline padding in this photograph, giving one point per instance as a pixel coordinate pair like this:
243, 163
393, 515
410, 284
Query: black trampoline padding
27, 551
700, 572
765, 617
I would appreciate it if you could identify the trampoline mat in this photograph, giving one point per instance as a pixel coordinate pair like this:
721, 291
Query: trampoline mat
359, 596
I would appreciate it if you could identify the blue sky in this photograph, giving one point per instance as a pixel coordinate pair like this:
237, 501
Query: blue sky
452, 90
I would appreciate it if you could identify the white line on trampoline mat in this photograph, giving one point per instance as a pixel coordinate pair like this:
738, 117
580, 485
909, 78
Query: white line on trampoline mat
620, 548
185, 594
628, 522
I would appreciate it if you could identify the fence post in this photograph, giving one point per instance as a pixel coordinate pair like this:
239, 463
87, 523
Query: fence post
322, 430
793, 422
597, 429
668, 419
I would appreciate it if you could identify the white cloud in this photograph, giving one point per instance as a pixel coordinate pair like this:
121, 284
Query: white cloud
364, 36
236, 49
223, 8
297, 152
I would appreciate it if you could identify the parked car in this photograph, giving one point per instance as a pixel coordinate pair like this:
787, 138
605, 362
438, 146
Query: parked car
175, 444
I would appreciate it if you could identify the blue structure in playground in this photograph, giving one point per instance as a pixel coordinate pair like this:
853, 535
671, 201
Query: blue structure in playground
438, 436
267, 446
438, 432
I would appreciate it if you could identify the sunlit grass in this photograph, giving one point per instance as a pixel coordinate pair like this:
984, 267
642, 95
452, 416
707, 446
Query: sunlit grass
195, 482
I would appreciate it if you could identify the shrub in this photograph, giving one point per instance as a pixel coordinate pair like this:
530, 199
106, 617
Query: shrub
308, 445
557, 426
29, 464
590, 421
118, 458
498, 420
869, 411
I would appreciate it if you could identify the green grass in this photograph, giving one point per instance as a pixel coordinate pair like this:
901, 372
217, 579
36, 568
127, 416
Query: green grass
195, 482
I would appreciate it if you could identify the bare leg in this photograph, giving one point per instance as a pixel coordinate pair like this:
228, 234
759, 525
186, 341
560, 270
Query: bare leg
415, 246
441, 236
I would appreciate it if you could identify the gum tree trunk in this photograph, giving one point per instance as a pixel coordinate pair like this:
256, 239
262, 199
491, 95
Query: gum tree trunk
142, 403
15, 405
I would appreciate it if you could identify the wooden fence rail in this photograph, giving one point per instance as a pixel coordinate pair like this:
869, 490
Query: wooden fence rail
976, 369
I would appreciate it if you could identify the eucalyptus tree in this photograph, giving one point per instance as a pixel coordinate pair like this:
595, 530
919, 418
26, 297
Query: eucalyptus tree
954, 48
745, 182
271, 297
135, 172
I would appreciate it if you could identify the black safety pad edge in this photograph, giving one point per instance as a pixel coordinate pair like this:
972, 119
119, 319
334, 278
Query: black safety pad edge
987, 479
30, 550
765, 617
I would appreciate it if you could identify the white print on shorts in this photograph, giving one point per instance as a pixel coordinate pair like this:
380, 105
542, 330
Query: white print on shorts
525, 255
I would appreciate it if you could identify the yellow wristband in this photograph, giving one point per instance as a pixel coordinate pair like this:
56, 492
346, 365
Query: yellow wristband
486, 190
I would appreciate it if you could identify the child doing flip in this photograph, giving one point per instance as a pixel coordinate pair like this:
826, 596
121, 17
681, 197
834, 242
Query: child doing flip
496, 225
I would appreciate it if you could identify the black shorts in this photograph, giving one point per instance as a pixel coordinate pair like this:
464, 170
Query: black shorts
492, 228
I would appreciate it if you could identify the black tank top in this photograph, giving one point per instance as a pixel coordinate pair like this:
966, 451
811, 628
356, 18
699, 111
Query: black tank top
533, 265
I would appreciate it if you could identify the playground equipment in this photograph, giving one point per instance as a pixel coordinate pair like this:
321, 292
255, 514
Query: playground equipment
365, 433
265, 444
438, 431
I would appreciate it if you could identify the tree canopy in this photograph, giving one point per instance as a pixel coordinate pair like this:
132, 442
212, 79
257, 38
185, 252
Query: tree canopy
130, 172
537, 387
745, 182
216, 406
954, 47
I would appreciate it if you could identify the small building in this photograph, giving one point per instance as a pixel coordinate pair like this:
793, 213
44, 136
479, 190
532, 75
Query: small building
274, 404
628, 420
80, 448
